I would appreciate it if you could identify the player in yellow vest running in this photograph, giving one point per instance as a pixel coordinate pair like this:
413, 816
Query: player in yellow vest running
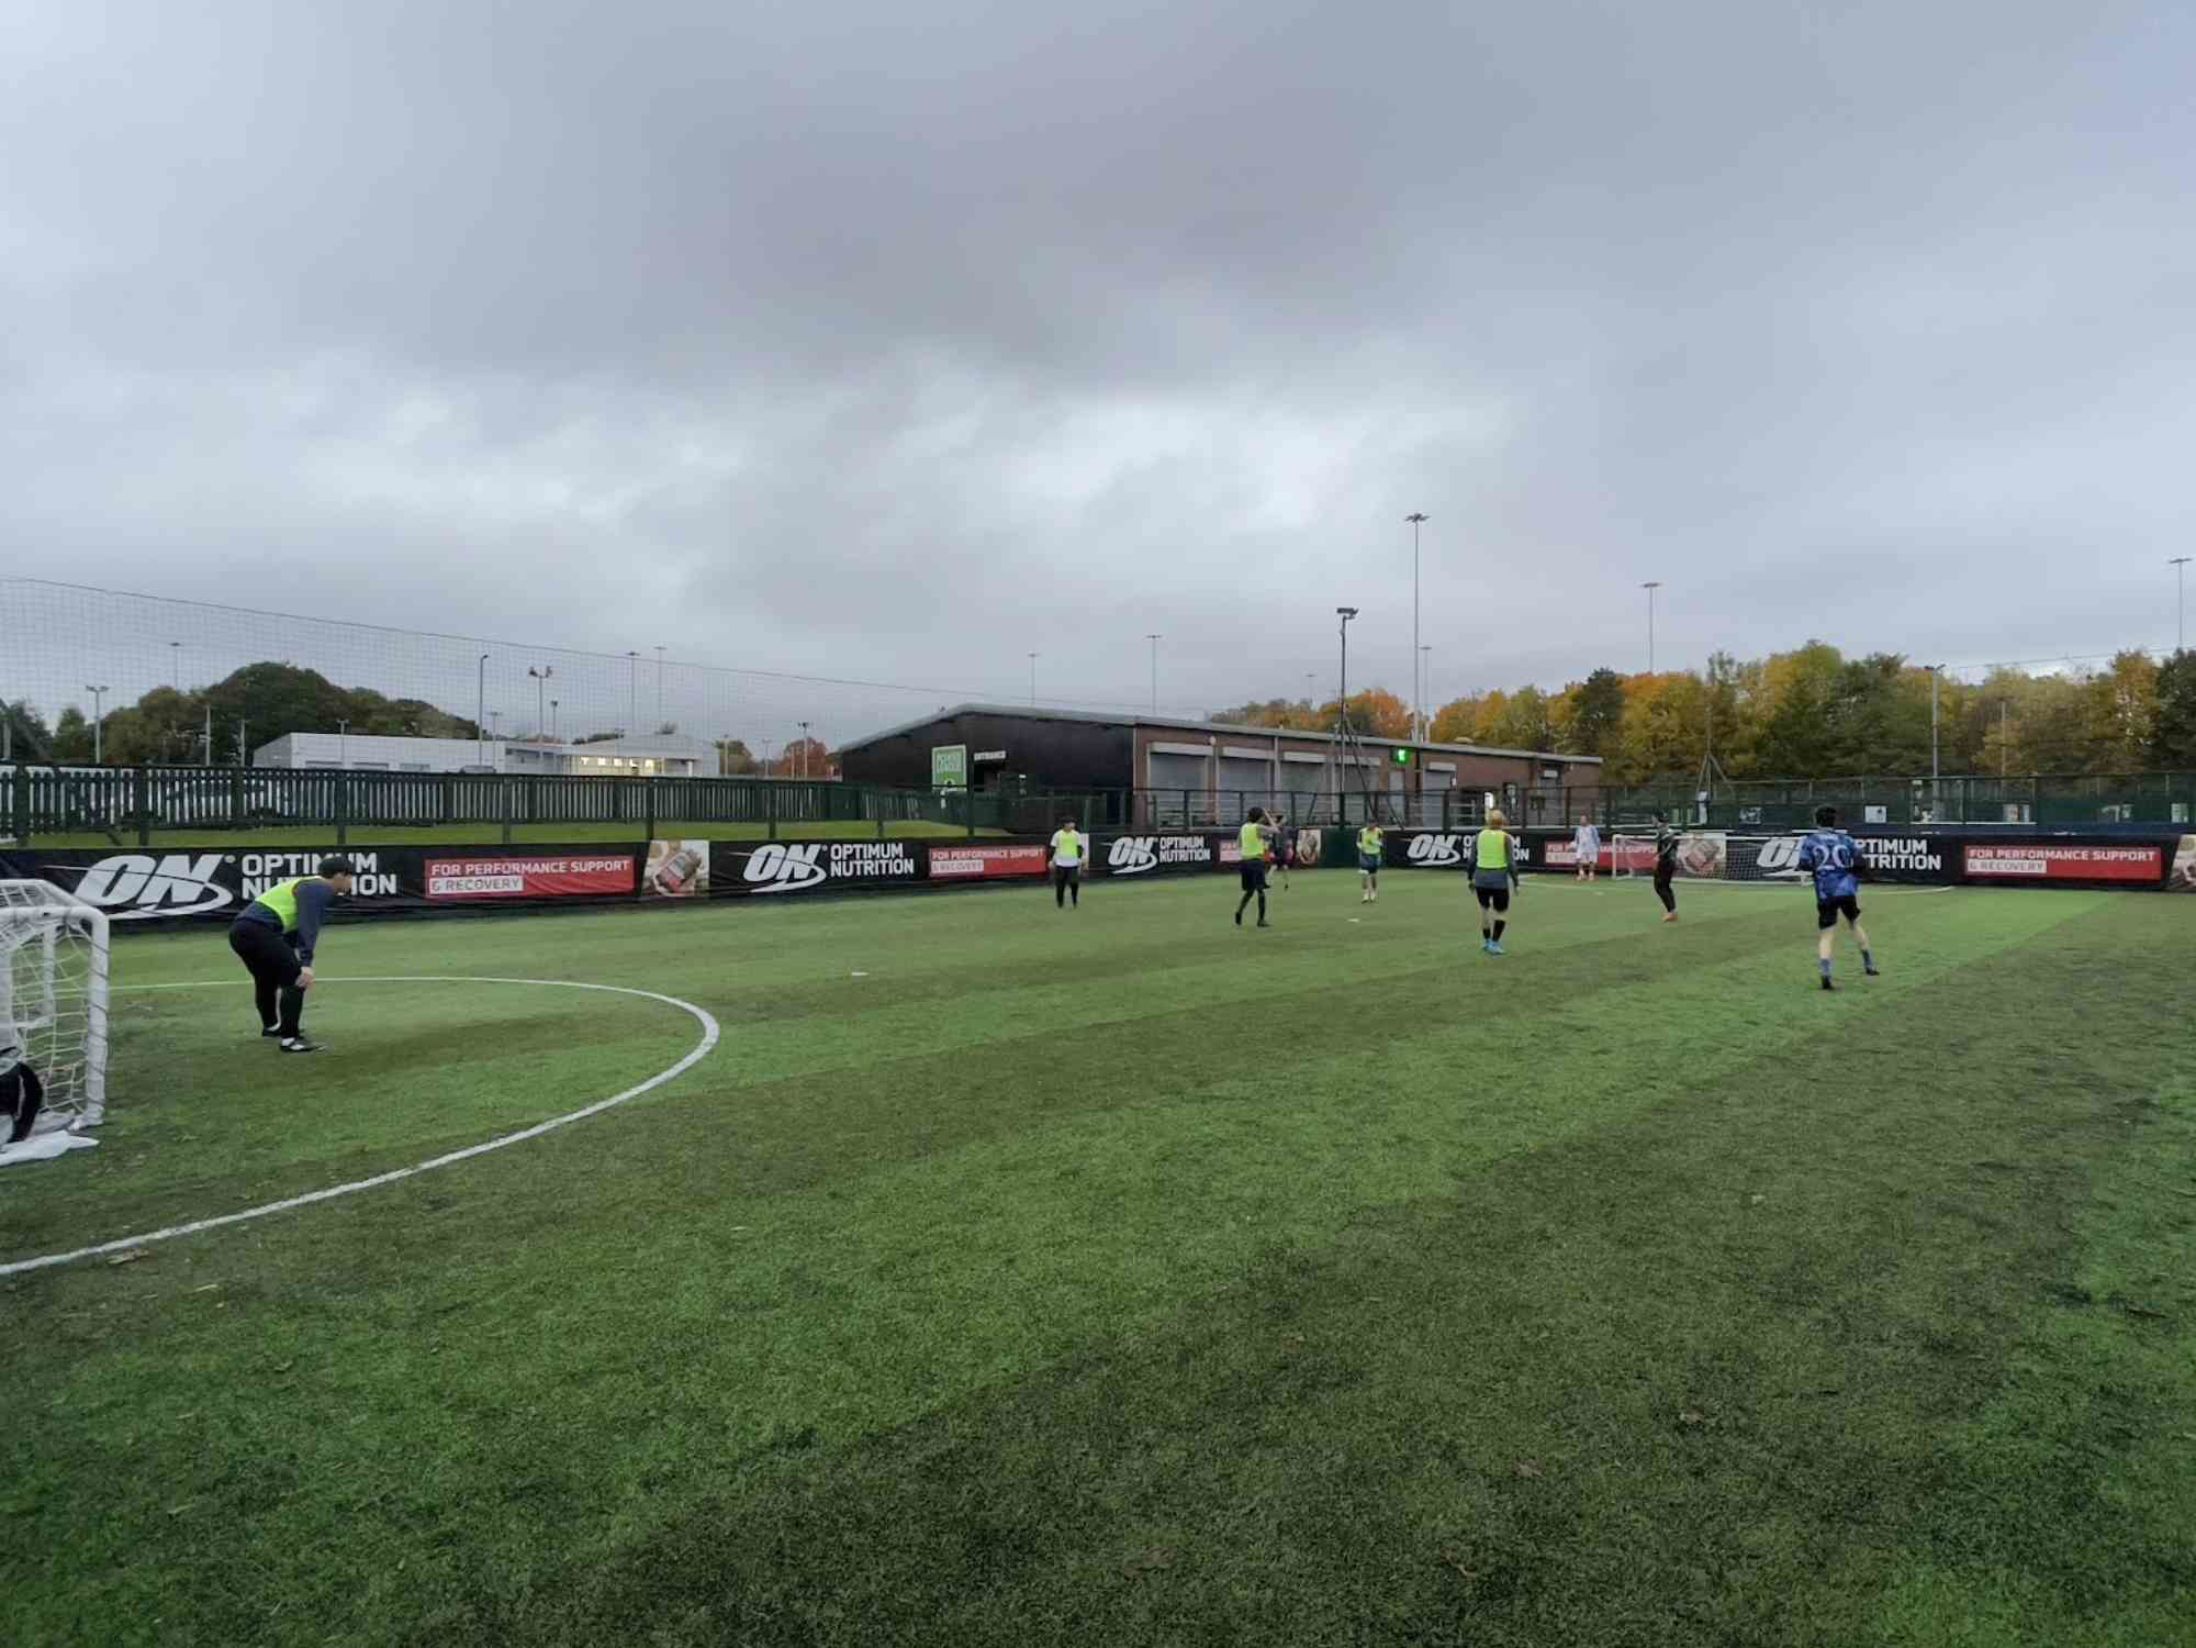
275, 938
1250, 843
1494, 875
1370, 842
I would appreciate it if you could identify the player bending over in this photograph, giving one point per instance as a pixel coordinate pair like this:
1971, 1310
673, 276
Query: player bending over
1066, 853
275, 938
1371, 846
1251, 842
1494, 875
1666, 865
1835, 860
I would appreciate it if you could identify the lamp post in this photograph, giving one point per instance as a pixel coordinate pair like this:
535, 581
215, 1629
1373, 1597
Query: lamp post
552, 720
2179, 564
1650, 587
1418, 714
541, 686
480, 713
99, 722
1425, 684
803, 725
632, 691
1154, 640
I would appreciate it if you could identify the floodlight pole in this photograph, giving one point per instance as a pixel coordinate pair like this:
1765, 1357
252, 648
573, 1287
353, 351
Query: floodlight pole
541, 686
1154, 640
632, 691
1650, 587
659, 686
1936, 674
2179, 564
480, 713
1033, 680
1418, 709
99, 721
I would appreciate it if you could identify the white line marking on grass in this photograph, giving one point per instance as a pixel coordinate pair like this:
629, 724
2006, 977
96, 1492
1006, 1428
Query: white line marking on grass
711, 1034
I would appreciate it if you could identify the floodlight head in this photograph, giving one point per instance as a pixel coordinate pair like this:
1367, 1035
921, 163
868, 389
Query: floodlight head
1347, 613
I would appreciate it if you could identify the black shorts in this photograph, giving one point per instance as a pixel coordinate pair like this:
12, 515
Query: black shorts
1827, 910
266, 952
1067, 875
1496, 899
1254, 875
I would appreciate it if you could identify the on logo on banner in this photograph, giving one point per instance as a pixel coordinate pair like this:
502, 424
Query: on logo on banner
785, 867
134, 886
1435, 852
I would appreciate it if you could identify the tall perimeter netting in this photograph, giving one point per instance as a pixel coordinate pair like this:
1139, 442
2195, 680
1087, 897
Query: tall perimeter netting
53, 1018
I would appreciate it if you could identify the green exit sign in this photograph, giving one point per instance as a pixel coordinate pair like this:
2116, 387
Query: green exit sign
1402, 758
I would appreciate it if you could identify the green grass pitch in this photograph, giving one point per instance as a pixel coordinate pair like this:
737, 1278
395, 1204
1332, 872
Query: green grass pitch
1118, 1277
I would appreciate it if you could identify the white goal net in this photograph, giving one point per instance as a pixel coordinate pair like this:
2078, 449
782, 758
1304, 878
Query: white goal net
1712, 855
53, 1019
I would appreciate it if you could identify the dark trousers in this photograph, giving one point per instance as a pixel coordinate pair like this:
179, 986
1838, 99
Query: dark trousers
1663, 877
1067, 883
273, 964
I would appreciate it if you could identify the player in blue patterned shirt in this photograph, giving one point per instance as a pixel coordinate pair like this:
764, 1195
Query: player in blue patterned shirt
1834, 859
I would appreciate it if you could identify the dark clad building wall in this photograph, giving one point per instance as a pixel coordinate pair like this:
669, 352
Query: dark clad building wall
1055, 755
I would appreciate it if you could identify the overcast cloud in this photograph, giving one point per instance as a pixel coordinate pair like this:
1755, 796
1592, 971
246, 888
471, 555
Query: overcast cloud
901, 340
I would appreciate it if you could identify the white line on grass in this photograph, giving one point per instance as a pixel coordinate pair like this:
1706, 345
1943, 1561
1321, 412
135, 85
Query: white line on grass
710, 1036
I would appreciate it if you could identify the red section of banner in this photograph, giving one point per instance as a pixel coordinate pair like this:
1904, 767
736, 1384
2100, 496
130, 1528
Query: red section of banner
2054, 861
985, 863
557, 876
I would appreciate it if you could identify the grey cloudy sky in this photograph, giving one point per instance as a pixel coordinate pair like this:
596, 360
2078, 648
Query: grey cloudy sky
895, 340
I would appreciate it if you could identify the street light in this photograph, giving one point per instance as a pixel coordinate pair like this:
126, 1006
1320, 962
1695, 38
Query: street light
541, 686
2179, 564
480, 713
1650, 587
1418, 714
99, 721
1154, 640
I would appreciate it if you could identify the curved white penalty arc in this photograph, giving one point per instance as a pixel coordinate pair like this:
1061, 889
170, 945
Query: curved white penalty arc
711, 1035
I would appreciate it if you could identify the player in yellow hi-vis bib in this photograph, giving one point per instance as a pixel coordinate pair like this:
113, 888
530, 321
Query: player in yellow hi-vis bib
1494, 874
1251, 843
1370, 843
275, 938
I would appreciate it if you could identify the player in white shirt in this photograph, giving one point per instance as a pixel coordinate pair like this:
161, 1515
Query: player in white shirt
1586, 844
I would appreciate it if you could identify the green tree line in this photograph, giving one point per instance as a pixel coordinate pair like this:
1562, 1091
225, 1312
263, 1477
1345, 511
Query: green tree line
1811, 713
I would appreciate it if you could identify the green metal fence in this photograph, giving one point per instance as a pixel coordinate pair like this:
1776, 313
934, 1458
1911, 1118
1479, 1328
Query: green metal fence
142, 803
2041, 799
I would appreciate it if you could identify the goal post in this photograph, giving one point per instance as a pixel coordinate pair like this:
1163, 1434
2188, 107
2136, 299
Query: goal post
53, 1019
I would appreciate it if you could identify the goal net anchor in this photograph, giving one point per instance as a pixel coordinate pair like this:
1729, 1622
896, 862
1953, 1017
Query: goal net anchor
53, 1021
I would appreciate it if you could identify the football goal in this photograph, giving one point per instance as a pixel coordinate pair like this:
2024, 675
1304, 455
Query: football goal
1710, 855
53, 1020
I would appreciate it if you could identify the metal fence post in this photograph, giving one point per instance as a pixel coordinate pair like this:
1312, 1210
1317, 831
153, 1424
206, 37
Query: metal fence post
648, 787
343, 808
